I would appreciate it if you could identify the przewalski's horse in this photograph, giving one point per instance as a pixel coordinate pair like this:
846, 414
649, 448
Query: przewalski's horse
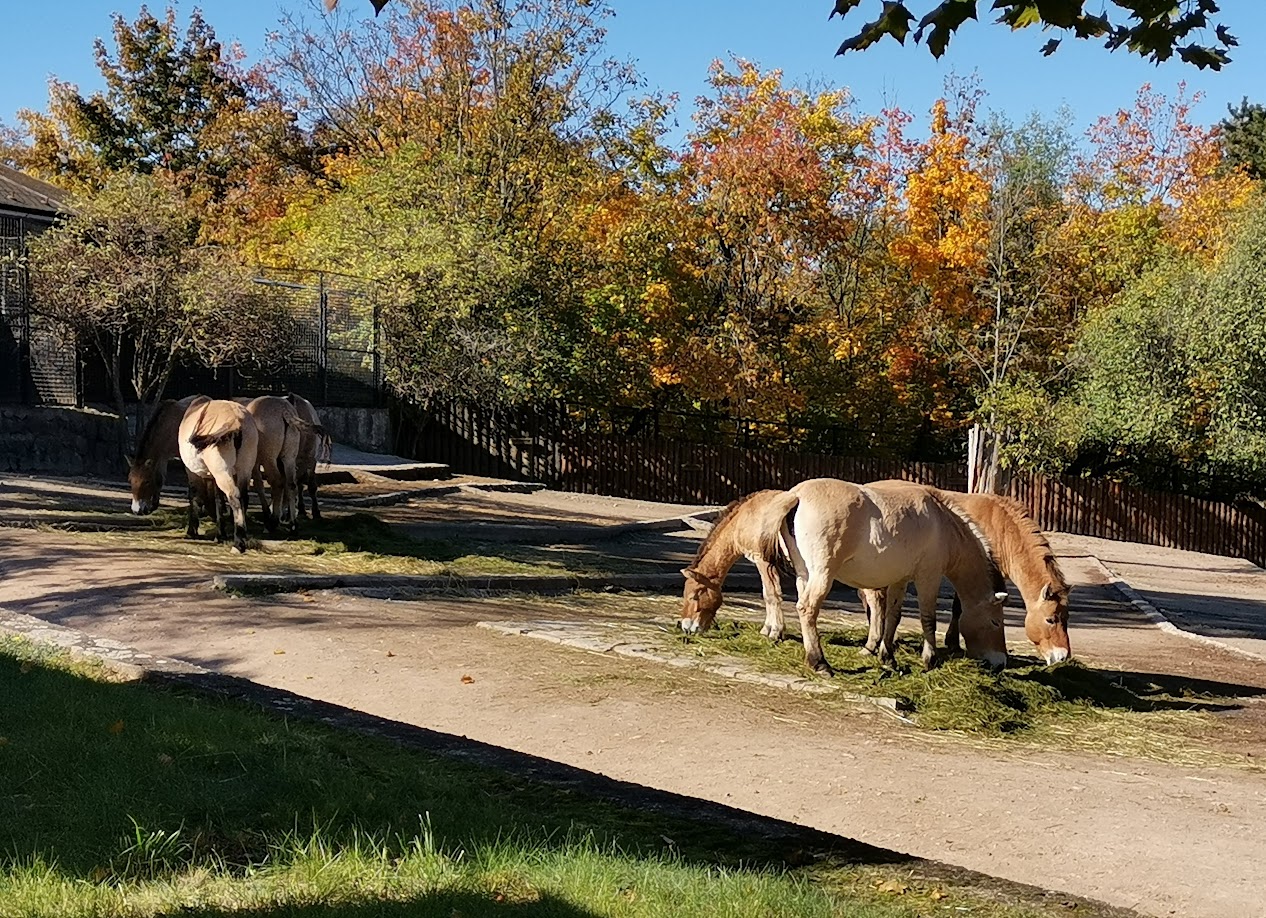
314, 447
1025, 558
739, 532
834, 530
218, 445
159, 444
279, 435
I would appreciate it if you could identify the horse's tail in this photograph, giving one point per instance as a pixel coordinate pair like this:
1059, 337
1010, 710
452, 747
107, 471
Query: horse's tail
777, 534
201, 441
325, 444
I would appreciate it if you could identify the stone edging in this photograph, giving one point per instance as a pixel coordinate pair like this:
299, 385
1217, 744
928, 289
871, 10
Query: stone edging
573, 635
1158, 618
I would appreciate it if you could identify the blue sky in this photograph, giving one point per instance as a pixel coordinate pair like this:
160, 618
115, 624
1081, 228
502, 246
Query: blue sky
673, 42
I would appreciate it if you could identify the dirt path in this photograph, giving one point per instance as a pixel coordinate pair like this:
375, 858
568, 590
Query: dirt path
1165, 840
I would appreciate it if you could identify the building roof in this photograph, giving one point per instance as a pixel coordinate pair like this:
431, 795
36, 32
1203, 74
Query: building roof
21, 193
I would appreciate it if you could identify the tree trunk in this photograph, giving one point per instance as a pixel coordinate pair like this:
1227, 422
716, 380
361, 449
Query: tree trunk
984, 473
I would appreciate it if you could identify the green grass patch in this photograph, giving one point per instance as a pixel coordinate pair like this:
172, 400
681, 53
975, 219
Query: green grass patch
355, 543
127, 799
1115, 712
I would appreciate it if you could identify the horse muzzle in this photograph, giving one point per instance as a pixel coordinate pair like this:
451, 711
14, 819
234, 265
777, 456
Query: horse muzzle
141, 507
1057, 655
996, 660
690, 626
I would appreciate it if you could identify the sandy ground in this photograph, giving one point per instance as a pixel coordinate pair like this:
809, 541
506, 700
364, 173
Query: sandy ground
1162, 839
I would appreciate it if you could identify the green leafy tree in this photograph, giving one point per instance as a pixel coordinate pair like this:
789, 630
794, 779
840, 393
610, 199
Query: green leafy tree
1153, 30
124, 276
1244, 137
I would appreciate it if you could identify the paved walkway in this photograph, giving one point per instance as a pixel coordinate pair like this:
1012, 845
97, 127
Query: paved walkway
1208, 595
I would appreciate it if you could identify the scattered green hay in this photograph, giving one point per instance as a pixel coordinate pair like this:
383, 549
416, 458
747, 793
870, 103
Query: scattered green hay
136, 800
1070, 702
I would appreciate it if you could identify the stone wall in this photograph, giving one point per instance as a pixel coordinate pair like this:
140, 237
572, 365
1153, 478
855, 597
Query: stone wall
364, 428
64, 441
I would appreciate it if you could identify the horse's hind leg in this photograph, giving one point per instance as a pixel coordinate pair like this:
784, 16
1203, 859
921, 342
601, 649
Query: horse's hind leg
890, 619
771, 586
951, 635
809, 605
312, 489
195, 501
928, 588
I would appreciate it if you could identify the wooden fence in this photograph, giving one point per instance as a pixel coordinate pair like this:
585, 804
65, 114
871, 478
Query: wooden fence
546, 447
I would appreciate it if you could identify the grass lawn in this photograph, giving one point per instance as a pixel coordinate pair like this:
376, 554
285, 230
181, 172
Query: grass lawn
122, 799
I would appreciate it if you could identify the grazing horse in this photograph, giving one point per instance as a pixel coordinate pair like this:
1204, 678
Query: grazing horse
739, 532
833, 530
158, 445
1024, 556
218, 445
314, 447
279, 435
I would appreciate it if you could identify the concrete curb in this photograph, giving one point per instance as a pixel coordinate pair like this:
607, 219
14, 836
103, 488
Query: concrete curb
545, 533
570, 634
127, 661
265, 584
1158, 618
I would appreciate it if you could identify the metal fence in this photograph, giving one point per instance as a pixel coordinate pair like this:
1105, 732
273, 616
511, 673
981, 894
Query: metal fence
569, 450
334, 359
37, 366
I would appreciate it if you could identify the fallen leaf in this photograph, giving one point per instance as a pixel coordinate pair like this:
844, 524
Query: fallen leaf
390, 654
277, 653
116, 727
165, 759
938, 894
307, 598
894, 886
467, 680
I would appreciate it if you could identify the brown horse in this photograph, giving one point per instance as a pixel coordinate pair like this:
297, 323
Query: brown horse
834, 530
218, 445
158, 445
314, 447
1025, 558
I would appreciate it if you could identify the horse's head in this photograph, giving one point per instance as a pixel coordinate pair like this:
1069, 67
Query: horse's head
699, 601
146, 480
982, 628
1046, 624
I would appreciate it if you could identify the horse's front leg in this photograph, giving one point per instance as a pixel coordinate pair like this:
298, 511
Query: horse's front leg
771, 587
951, 635
874, 603
809, 605
195, 500
928, 587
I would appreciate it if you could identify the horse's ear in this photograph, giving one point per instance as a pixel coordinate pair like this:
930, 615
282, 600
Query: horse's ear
688, 573
131, 460
1046, 595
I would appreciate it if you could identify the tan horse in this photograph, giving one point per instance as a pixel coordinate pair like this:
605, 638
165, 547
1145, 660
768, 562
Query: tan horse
314, 447
741, 531
218, 444
279, 436
158, 445
834, 530
1025, 558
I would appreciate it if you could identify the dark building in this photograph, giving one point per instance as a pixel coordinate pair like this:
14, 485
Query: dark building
35, 367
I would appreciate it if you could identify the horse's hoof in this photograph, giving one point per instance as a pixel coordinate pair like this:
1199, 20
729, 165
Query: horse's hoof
823, 668
868, 651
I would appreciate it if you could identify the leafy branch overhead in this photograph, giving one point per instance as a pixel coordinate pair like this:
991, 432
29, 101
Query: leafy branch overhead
1155, 29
